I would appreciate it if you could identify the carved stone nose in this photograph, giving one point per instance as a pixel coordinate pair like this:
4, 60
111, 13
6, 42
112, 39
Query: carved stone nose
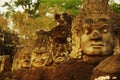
96, 35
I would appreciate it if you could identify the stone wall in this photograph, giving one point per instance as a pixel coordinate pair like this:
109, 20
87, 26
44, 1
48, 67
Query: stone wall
5, 63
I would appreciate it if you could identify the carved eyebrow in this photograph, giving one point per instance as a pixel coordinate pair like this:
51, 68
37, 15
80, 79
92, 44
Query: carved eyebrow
89, 21
105, 26
103, 20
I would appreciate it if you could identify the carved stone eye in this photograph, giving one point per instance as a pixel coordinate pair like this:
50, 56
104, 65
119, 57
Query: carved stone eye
89, 21
105, 30
87, 28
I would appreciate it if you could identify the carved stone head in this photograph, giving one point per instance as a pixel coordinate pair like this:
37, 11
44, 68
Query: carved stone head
40, 57
94, 30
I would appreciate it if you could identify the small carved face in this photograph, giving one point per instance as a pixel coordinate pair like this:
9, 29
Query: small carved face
39, 57
97, 37
24, 61
39, 60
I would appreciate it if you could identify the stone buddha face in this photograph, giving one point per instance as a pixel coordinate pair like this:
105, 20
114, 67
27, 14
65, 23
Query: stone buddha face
97, 36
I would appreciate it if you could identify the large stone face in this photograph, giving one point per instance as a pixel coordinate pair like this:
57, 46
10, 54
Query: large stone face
91, 17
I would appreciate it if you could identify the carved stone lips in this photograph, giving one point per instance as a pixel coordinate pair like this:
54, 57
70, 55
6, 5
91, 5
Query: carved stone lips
96, 44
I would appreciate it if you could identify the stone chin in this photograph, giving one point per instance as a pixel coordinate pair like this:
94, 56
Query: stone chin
97, 51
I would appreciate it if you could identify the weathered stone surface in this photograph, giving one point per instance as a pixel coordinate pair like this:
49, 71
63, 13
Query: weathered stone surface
61, 36
53, 46
21, 60
5, 63
41, 73
109, 67
1, 63
91, 10
93, 60
73, 70
61, 45
40, 57
27, 74
6, 75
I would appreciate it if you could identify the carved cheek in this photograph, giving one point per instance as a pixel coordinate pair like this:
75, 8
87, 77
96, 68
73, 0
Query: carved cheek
108, 38
85, 40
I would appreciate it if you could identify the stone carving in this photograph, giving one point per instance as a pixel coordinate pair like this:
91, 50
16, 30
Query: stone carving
22, 58
105, 69
94, 38
53, 46
5, 63
88, 55
23, 61
61, 48
96, 35
40, 55
97, 26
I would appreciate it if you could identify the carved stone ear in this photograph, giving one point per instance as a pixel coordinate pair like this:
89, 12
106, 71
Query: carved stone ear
76, 49
116, 45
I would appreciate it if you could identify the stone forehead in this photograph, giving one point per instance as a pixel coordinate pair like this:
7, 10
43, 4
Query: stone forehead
113, 17
96, 16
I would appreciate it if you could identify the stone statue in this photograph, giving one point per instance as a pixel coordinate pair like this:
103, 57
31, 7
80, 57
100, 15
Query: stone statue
93, 31
94, 40
39, 58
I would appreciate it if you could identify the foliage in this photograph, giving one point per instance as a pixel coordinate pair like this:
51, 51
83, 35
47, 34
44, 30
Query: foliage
48, 8
25, 26
71, 6
115, 7
30, 7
